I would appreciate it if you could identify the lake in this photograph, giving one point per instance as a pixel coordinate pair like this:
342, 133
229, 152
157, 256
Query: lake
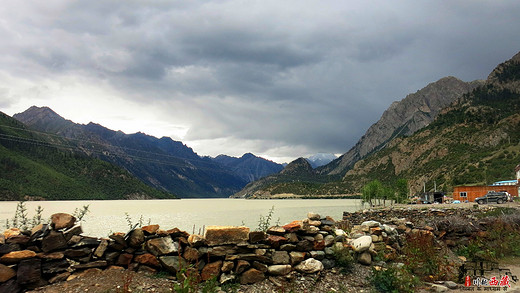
186, 214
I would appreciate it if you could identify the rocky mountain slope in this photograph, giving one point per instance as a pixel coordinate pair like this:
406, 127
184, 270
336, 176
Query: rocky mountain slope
403, 118
475, 141
34, 166
249, 167
159, 162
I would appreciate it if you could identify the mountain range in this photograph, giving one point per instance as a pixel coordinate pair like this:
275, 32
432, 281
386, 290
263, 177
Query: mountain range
162, 163
34, 166
390, 149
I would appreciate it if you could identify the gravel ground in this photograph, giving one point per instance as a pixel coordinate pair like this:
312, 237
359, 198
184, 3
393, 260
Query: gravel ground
113, 280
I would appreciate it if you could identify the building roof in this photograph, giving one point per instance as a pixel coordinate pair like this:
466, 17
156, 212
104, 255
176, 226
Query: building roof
505, 182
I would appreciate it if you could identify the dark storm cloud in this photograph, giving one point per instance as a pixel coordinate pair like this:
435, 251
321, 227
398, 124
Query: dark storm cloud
311, 75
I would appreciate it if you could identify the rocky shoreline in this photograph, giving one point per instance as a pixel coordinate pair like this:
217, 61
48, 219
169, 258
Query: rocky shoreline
295, 255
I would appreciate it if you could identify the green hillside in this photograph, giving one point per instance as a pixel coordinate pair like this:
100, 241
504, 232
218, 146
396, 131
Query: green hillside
32, 167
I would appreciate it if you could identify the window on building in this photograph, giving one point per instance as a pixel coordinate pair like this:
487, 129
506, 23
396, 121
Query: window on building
463, 194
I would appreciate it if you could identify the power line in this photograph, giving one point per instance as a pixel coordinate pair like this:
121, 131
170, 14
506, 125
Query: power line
100, 152
97, 143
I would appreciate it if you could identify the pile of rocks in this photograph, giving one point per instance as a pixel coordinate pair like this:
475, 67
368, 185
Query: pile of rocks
57, 251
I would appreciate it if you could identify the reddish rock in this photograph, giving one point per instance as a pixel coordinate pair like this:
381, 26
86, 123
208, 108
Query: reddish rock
221, 235
251, 276
17, 256
276, 240
18, 239
175, 232
62, 221
12, 232
293, 226
150, 229
211, 270
147, 259
319, 245
124, 259
6, 273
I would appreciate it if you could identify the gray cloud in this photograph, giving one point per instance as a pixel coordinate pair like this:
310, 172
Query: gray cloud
277, 77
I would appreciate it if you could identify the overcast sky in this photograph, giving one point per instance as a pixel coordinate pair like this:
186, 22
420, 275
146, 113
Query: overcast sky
280, 79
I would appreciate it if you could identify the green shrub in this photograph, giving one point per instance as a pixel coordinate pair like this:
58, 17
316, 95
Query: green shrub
394, 280
344, 259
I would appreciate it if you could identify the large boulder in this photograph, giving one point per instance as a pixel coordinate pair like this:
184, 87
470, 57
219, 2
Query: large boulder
251, 276
6, 273
173, 263
54, 241
17, 256
309, 266
281, 258
221, 235
279, 270
62, 221
211, 270
162, 246
362, 243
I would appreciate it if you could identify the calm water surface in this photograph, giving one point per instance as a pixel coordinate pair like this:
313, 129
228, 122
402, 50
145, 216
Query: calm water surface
186, 214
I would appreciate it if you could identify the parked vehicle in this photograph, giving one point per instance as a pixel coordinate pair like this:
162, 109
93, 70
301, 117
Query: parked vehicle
493, 196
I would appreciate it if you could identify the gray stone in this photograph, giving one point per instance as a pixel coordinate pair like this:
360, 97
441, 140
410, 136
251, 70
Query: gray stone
227, 278
136, 238
328, 263
439, 288
224, 250
280, 258
328, 251
309, 266
90, 265
172, 263
450, 284
29, 272
54, 241
365, 258
10, 286
260, 266
102, 247
304, 245
296, 257
362, 243
329, 240
371, 224
319, 254
288, 247
279, 270
53, 267
162, 246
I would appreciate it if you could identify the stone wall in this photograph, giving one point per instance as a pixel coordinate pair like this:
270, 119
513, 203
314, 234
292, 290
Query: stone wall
58, 251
